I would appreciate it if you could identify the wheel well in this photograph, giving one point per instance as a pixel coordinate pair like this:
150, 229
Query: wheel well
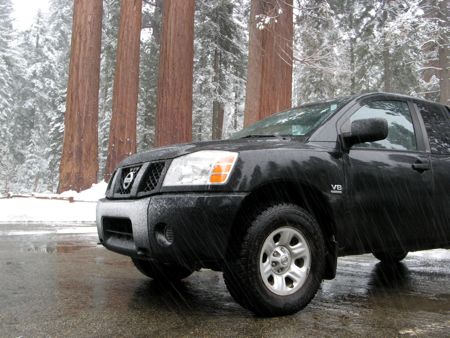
305, 196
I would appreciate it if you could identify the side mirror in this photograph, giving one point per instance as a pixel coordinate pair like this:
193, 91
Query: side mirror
367, 130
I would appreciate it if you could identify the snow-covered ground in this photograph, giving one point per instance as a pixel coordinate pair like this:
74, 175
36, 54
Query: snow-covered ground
436, 254
92, 194
40, 209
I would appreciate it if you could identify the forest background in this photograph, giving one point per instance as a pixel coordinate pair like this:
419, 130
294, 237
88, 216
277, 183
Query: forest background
340, 48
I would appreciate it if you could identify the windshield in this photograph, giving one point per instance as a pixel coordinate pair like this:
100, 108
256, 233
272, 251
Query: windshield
298, 121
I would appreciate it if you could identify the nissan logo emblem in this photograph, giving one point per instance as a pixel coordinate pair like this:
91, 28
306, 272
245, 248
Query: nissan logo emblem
128, 180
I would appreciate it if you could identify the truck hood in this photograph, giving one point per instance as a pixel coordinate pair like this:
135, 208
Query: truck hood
165, 153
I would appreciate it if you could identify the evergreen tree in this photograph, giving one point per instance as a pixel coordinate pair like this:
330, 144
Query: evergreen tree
219, 68
32, 117
436, 66
39, 113
350, 46
8, 76
402, 34
319, 72
59, 31
149, 68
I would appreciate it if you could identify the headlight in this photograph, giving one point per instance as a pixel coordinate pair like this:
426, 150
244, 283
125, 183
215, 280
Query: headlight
207, 167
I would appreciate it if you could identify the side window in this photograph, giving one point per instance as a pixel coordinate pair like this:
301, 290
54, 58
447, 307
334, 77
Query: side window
401, 129
437, 126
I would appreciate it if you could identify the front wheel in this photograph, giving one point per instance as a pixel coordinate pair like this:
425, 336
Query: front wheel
280, 264
160, 271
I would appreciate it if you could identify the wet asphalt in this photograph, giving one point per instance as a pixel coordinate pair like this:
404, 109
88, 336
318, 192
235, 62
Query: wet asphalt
63, 284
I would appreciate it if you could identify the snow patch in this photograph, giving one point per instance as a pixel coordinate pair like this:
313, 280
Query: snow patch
32, 210
42, 209
436, 254
93, 194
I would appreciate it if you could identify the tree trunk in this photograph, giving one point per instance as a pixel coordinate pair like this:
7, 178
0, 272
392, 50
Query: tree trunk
218, 113
269, 78
79, 162
387, 69
218, 107
122, 134
236, 107
174, 111
352, 57
386, 56
444, 64
444, 76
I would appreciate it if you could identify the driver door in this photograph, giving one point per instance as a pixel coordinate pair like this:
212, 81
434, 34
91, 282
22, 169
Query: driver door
389, 181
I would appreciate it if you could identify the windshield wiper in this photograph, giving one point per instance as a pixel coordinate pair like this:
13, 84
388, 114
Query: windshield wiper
278, 136
257, 136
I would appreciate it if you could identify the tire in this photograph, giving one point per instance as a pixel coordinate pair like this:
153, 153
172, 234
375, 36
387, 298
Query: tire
162, 272
280, 263
390, 257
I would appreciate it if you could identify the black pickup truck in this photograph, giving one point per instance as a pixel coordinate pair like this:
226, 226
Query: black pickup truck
274, 206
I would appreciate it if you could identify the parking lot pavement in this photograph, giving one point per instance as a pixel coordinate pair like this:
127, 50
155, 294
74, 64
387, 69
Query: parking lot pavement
60, 283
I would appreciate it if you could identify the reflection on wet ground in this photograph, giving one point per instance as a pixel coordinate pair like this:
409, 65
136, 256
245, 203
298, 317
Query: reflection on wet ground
65, 285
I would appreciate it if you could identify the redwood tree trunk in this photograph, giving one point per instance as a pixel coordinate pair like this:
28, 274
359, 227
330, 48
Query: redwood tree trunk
174, 111
79, 162
269, 79
122, 134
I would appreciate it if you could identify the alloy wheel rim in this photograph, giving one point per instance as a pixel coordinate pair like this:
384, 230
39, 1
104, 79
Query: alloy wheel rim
285, 261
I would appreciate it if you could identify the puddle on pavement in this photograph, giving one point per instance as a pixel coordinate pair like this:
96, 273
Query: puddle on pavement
56, 247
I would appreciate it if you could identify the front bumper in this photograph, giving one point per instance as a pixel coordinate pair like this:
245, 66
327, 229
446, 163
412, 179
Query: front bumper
200, 224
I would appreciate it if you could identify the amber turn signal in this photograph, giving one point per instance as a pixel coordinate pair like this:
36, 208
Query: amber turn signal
222, 169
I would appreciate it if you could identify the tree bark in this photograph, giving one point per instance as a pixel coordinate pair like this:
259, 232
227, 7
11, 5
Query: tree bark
79, 162
269, 79
386, 55
218, 114
444, 64
352, 56
122, 135
218, 106
174, 108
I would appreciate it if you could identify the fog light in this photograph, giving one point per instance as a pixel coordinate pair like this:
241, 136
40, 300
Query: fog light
164, 234
168, 234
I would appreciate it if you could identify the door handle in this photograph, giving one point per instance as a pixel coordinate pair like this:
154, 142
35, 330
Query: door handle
421, 166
